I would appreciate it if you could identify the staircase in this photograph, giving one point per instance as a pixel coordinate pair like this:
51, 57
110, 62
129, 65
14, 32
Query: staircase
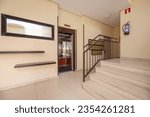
119, 81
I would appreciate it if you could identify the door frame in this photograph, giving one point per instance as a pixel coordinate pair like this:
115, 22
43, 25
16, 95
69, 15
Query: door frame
73, 32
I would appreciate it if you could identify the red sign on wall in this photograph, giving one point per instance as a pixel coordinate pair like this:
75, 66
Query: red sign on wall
128, 10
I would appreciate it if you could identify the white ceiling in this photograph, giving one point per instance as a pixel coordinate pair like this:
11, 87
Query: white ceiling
106, 11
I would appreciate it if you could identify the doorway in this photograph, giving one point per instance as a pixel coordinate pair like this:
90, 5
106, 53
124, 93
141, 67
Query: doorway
66, 49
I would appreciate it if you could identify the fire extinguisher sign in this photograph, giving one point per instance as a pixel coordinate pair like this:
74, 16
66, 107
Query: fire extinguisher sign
128, 10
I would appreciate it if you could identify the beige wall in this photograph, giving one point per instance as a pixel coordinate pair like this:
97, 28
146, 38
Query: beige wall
47, 12
93, 28
137, 44
116, 32
38, 10
75, 21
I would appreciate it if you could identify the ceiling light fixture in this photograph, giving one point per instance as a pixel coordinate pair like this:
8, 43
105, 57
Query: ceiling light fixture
108, 16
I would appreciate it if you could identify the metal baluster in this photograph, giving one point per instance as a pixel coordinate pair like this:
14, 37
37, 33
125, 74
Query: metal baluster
83, 66
90, 59
86, 63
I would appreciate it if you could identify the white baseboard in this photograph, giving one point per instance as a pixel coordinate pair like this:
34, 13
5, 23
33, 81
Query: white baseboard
28, 83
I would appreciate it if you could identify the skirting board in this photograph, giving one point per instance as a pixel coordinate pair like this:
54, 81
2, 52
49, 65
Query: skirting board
28, 83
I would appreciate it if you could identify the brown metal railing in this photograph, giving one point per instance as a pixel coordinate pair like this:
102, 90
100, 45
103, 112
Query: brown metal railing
100, 48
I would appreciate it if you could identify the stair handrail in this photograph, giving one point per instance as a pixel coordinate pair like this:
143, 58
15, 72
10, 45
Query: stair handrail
87, 49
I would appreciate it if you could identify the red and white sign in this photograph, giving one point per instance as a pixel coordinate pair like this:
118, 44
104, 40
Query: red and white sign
128, 10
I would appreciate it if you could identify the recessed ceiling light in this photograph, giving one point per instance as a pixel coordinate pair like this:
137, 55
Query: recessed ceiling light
108, 16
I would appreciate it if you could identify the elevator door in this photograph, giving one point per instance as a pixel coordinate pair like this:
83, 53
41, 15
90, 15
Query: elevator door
66, 50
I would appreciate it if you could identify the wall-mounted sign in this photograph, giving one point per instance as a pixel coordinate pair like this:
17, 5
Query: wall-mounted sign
67, 25
128, 10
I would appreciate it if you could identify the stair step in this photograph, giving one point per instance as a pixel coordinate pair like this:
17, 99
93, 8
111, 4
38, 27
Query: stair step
126, 68
105, 91
134, 90
124, 93
120, 79
137, 79
92, 92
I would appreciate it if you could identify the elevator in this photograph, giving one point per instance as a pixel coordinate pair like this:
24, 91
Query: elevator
66, 49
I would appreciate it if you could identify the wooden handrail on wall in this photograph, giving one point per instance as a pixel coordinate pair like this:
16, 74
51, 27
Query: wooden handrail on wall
20, 52
34, 64
28, 64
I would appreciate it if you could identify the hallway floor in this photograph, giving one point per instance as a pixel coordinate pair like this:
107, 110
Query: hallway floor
67, 87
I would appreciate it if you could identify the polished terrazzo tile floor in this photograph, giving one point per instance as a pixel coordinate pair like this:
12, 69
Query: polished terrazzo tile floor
67, 87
